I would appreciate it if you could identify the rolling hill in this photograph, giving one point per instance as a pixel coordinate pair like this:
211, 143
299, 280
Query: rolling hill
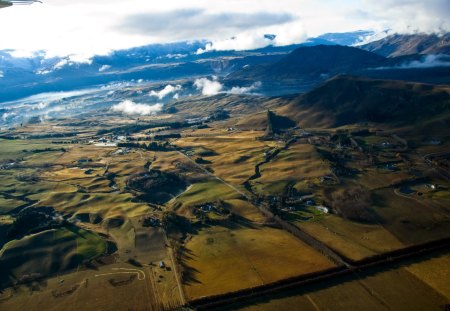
348, 100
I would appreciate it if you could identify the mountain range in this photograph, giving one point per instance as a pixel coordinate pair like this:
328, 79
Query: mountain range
401, 45
286, 69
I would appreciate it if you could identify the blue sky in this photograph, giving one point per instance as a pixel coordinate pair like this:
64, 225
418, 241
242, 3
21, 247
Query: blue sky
82, 28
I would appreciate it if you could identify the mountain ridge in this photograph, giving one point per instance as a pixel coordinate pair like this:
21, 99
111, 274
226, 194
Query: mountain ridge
401, 45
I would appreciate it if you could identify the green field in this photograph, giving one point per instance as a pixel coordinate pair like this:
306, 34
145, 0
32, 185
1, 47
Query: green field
50, 251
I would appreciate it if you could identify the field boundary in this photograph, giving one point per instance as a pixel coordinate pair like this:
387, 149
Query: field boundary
206, 303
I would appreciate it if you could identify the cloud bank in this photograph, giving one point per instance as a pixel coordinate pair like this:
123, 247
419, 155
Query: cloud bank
245, 90
131, 108
168, 89
109, 25
408, 16
428, 61
208, 87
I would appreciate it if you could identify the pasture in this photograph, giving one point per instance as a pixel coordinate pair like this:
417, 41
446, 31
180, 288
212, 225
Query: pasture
219, 260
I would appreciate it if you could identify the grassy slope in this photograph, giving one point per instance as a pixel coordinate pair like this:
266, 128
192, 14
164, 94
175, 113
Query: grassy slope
347, 100
51, 251
299, 163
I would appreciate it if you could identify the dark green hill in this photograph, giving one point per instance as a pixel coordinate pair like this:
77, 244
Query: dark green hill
348, 100
312, 63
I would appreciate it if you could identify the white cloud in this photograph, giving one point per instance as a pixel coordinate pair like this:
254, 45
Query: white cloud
81, 58
285, 34
208, 87
131, 108
176, 96
8, 115
40, 106
84, 28
240, 42
429, 61
409, 16
104, 68
2, 74
176, 56
60, 64
245, 90
168, 89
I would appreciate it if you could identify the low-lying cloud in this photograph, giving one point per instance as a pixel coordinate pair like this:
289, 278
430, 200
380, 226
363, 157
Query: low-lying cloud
40, 106
104, 68
208, 87
277, 35
428, 61
131, 108
245, 89
8, 115
408, 16
168, 89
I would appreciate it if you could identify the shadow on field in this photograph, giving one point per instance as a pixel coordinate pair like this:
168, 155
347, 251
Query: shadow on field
188, 274
336, 281
233, 223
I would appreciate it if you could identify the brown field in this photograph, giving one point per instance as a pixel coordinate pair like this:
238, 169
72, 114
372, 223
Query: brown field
144, 244
220, 260
411, 221
113, 287
130, 163
10, 181
76, 152
102, 204
435, 272
377, 178
173, 161
75, 176
13, 149
296, 165
353, 240
209, 191
236, 153
393, 289
245, 209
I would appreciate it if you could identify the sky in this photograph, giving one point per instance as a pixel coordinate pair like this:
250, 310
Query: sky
83, 28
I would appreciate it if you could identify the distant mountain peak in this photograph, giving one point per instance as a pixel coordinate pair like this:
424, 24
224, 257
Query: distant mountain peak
408, 44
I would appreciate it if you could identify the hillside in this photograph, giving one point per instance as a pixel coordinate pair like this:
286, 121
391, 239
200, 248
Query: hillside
312, 63
4, 4
400, 45
348, 100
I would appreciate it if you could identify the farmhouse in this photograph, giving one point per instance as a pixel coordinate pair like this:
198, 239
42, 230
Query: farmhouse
322, 209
